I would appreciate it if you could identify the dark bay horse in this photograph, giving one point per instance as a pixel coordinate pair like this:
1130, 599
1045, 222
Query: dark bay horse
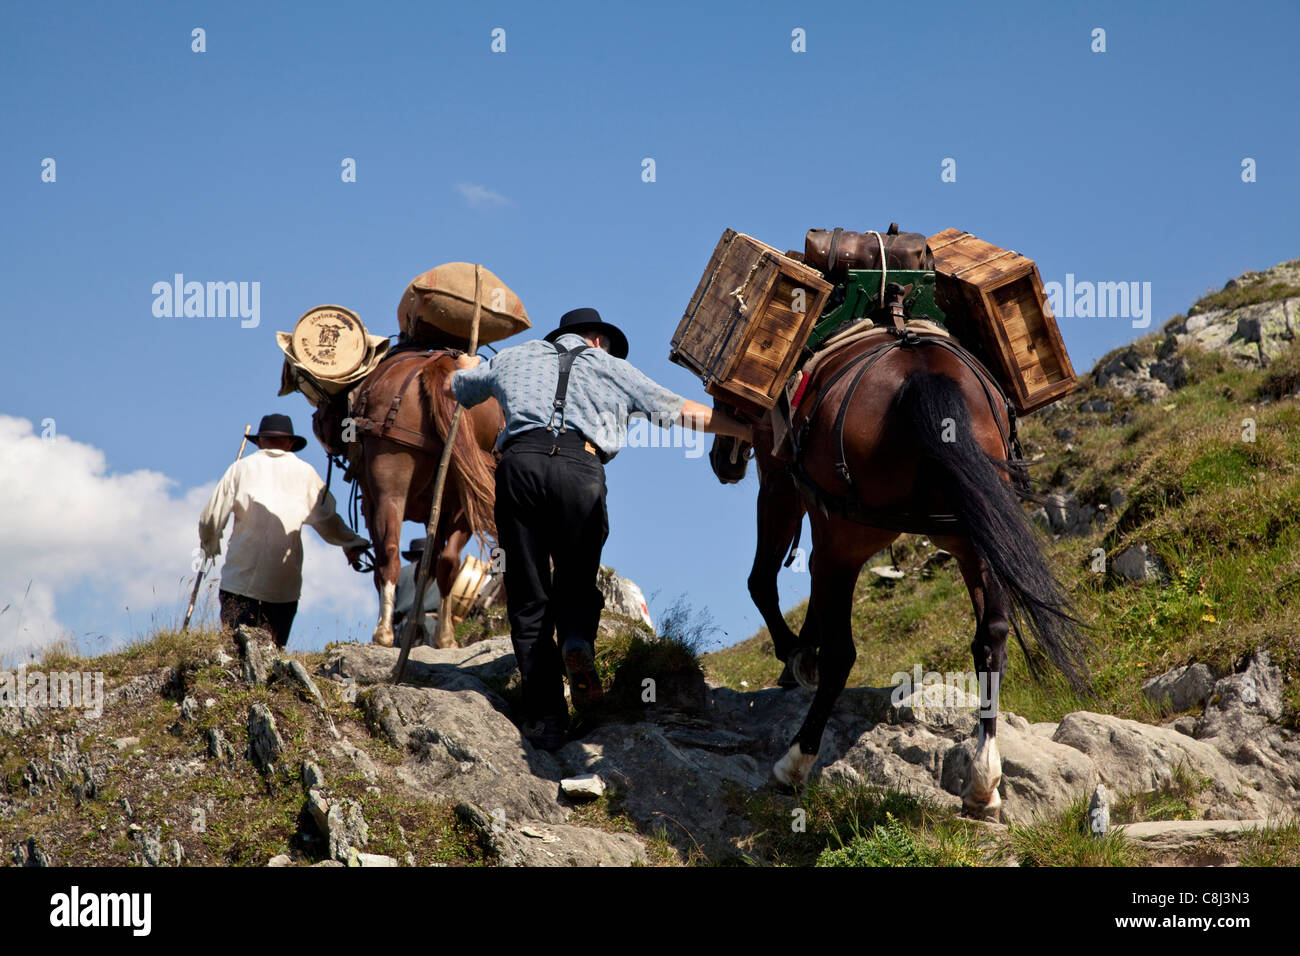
401, 417
918, 442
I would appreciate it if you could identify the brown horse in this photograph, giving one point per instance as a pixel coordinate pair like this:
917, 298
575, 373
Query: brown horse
897, 434
401, 417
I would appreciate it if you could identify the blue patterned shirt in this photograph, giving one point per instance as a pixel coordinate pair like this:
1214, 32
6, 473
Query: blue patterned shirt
604, 392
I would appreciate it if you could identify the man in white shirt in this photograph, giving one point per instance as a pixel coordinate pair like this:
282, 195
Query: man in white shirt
272, 494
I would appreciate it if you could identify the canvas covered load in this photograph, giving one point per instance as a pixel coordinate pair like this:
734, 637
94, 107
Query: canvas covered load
437, 307
327, 352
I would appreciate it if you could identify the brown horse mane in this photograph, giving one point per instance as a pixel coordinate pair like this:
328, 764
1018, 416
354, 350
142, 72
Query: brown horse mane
473, 467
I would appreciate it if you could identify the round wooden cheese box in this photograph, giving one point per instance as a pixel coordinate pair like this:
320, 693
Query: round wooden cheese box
330, 342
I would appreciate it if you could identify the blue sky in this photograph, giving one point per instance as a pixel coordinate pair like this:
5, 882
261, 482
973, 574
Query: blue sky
225, 166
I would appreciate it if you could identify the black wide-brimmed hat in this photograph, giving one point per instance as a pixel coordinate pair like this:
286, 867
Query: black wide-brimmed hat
278, 426
415, 549
589, 320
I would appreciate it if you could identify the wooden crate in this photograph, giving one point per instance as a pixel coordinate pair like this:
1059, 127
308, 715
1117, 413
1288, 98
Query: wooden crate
743, 331
1006, 317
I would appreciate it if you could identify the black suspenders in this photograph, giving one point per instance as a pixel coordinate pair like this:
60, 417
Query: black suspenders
562, 386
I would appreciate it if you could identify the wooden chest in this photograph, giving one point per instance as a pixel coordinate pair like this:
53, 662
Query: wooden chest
995, 303
748, 321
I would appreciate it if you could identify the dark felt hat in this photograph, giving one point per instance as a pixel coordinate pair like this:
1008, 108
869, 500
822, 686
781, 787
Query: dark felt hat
277, 426
415, 549
589, 320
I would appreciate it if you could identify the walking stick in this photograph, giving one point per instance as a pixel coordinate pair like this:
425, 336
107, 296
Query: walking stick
416, 617
198, 578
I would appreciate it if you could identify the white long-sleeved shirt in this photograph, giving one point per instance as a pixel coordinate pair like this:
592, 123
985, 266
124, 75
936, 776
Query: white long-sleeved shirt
272, 494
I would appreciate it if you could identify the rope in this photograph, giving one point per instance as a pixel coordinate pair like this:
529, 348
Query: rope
884, 266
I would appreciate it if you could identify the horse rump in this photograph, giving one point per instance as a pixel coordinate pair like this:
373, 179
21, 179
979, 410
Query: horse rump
999, 532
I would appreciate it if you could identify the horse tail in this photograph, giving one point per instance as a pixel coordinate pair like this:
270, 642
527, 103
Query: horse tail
474, 468
999, 532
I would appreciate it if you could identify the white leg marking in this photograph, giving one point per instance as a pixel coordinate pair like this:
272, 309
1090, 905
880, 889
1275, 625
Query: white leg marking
384, 629
981, 792
792, 769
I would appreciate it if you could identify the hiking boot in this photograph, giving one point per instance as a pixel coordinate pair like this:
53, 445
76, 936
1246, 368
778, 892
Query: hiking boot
548, 733
584, 682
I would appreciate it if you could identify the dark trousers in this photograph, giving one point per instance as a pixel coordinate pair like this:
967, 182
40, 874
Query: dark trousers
550, 508
274, 617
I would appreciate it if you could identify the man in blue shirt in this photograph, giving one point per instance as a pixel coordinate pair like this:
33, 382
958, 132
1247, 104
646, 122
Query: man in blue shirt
566, 401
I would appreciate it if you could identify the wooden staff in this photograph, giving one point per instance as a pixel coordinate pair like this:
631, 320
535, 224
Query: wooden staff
416, 617
198, 579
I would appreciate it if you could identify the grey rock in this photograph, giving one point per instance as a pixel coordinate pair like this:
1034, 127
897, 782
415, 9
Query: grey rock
138, 690
264, 741
1138, 563
177, 852
1099, 811
294, 673
360, 759
1182, 688
312, 775
623, 597
459, 746
1192, 842
543, 844
319, 808
345, 828
474, 668
1241, 722
588, 786
1184, 725
282, 859
1118, 499
1066, 516
189, 709
126, 743
218, 747
1097, 406
28, 853
150, 845
1171, 372
1133, 757
356, 858
257, 649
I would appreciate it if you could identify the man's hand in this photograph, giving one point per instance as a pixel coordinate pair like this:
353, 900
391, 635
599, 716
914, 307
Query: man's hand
463, 364
715, 420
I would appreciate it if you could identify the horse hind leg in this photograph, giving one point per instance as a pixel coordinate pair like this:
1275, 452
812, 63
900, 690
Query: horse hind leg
445, 575
980, 797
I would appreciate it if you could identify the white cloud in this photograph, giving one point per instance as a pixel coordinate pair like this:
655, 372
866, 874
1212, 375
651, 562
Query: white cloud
79, 546
480, 197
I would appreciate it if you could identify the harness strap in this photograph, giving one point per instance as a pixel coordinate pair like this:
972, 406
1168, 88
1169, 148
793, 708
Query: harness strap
389, 428
562, 384
853, 510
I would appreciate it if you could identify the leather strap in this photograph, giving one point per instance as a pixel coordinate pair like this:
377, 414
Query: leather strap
389, 428
562, 384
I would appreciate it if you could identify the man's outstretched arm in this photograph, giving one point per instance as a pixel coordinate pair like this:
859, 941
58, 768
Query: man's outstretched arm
702, 418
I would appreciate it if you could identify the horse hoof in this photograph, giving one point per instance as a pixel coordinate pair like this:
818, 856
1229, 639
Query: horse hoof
792, 769
383, 638
803, 665
786, 681
989, 810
